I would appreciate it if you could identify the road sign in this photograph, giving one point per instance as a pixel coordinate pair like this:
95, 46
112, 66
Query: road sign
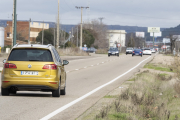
119, 45
153, 29
156, 34
166, 40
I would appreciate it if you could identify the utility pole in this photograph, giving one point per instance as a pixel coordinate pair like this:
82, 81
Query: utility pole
153, 39
77, 36
29, 31
57, 44
101, 18
81, 24
14, 24
72, 34
43, 33
54, 34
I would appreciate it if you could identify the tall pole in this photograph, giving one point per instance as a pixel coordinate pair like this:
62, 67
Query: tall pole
81, 25
43, 33
81, 31
29, 31
77, 36
57, 42
153, 39
54, 35
14, 23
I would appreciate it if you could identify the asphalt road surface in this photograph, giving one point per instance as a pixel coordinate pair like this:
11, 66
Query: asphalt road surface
88, 80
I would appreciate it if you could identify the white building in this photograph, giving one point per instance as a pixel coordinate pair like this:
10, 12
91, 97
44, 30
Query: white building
116, 36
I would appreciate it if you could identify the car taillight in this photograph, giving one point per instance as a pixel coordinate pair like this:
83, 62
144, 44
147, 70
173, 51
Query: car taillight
50, 66
140, 52
9, 65
133, 51
143, 50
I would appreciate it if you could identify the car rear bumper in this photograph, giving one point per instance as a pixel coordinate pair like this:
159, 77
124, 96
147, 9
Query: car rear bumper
30, 84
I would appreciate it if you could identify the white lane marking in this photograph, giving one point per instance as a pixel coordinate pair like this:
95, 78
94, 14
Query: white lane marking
102, 62
83, 59
88, 94
92, 65
85, 67
76, 69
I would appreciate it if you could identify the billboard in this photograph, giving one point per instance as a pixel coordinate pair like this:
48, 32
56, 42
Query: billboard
140, 34
166, 40
154, 29
156, 34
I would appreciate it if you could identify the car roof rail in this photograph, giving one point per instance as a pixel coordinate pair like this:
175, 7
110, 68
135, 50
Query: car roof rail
49, 45
16, 45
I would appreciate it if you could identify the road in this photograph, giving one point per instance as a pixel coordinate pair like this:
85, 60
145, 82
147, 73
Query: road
83, 76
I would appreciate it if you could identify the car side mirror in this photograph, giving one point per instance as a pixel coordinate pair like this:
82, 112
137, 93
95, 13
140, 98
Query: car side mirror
4, 61
65, 62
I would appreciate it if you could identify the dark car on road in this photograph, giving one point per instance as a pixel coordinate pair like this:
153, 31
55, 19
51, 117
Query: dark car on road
113, 51
137, 52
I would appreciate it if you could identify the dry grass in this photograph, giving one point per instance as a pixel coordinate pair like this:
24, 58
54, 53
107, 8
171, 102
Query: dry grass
72, 52
154, 100
102, 51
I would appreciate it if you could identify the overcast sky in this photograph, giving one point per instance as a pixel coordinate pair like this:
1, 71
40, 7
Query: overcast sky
147, 13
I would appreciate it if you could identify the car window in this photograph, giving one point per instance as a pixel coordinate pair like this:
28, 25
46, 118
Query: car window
146, 49
30, 55
113, 49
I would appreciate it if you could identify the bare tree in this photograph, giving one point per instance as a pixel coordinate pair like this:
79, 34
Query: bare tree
173, 39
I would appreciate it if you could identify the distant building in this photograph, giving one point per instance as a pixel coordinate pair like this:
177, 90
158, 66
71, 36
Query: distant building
116, 36
23, 31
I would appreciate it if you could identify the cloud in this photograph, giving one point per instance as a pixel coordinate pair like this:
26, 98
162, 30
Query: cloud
162, 13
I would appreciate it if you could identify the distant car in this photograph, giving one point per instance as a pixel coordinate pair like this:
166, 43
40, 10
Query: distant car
137, 52
129, 51
147, 51
153, 50
91, 50
113, 51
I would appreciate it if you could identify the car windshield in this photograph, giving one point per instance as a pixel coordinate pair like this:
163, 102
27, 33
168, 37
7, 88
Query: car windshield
30, 55
113, 49
129, 48
137, 50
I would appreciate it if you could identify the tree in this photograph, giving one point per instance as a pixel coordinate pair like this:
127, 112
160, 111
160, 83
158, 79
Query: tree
173, 39
48, 37
88, 38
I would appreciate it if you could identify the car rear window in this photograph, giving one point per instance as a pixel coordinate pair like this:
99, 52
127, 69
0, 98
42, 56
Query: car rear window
146, 49
129, 48
30, 55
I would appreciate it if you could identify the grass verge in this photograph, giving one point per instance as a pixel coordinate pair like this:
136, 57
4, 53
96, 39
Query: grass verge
155, 67
156, 99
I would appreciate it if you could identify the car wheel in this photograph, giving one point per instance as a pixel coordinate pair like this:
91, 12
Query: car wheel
141, 55
13, 92
126, 53
56, 93
108, 55
132, 55
63, 92
4, 92
117, 55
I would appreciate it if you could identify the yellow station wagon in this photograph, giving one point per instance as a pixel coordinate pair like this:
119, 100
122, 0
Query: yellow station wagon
34, 68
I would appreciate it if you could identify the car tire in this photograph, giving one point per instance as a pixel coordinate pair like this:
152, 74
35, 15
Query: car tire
63, 92
13, 92
117, 55
56, 93
108, 55
132, 55
141, 55
4, 91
